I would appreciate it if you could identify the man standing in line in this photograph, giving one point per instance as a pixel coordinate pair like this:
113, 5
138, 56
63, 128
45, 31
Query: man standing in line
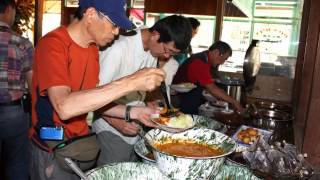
168, 36
16, 55
196, 70
65, 77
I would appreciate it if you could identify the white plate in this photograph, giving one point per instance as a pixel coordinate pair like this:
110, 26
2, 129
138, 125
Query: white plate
183, 87
167, 128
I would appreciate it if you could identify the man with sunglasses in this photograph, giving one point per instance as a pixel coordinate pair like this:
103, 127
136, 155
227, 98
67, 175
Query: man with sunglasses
196, 70
168, 36
65, 80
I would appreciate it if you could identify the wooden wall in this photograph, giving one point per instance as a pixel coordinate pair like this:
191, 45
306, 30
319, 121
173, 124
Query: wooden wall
306, 96
197, 7
66, 14
181, 6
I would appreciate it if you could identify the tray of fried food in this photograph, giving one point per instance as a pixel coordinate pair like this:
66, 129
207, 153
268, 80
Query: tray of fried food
247, 135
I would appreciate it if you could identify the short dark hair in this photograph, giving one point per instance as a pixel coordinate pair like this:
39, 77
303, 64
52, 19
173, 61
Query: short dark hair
194, 22
5, 3
222, 47
79, 12
174, 28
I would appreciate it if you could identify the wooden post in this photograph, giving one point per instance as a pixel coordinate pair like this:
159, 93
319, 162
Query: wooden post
219, 19
307, 124
38, 20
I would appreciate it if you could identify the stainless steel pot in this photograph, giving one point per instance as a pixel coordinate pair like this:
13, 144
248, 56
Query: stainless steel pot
272, 120
222, 114
272, 106
232, 86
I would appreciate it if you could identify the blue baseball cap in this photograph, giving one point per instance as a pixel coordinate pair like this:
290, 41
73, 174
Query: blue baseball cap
114, 9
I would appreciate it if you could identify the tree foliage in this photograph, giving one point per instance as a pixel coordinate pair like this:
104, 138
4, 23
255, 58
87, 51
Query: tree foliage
25, 10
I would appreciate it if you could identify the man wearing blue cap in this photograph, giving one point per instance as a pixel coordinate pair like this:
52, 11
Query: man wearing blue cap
65, 77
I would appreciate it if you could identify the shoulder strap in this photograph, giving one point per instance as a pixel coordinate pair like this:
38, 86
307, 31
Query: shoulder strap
84, 75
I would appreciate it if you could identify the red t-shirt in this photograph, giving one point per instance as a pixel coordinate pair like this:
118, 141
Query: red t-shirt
60, 61
196, 71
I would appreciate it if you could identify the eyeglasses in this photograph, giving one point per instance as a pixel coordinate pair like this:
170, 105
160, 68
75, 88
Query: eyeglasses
108, 19
224, 56
168, 50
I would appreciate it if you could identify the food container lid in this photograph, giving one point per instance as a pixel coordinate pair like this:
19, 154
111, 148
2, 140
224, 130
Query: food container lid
230, 81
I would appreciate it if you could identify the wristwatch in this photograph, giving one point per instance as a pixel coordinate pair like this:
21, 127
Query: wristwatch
127, 113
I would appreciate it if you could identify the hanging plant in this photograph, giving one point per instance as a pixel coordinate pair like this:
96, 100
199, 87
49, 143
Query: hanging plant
24, 15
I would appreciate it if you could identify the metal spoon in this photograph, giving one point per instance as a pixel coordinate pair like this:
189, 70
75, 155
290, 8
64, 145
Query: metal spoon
163, 89
256, 111
142, 135
76, 168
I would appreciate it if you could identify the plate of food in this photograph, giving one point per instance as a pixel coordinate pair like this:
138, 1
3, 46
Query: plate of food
183, 87
247, 135
173, 120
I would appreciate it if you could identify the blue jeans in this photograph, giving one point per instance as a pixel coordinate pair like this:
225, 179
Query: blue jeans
14, 142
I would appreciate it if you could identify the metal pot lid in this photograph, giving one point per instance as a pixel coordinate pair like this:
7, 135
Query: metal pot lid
272, 106
209, 107
274, 115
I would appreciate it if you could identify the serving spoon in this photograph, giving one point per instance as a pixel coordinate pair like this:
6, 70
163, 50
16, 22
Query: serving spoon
163, 89
164, 92
76, 168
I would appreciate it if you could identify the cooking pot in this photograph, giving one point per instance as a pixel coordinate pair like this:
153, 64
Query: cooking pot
272, 120
272, 106
221, 113
232, 86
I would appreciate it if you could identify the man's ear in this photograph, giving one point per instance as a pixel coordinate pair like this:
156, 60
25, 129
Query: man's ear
155, 35
216, 52
90, 14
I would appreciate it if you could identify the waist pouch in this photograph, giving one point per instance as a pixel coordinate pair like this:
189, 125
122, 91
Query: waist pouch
83, 150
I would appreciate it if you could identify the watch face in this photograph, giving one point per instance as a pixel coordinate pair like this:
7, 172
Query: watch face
127, 114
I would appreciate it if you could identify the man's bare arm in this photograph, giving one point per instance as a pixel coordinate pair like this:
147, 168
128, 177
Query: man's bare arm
221, 94
70, 104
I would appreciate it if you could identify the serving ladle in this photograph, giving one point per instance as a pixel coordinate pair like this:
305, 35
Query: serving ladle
163, 89
76, 168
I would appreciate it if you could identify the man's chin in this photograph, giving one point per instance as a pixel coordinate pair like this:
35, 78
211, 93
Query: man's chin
106, 44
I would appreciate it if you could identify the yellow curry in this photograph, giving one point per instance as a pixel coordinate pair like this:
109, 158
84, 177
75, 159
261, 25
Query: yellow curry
189, 149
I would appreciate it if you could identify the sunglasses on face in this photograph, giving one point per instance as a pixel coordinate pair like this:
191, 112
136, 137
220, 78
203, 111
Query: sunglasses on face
108, 19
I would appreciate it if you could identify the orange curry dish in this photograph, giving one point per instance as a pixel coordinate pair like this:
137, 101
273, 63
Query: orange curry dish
189, 149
